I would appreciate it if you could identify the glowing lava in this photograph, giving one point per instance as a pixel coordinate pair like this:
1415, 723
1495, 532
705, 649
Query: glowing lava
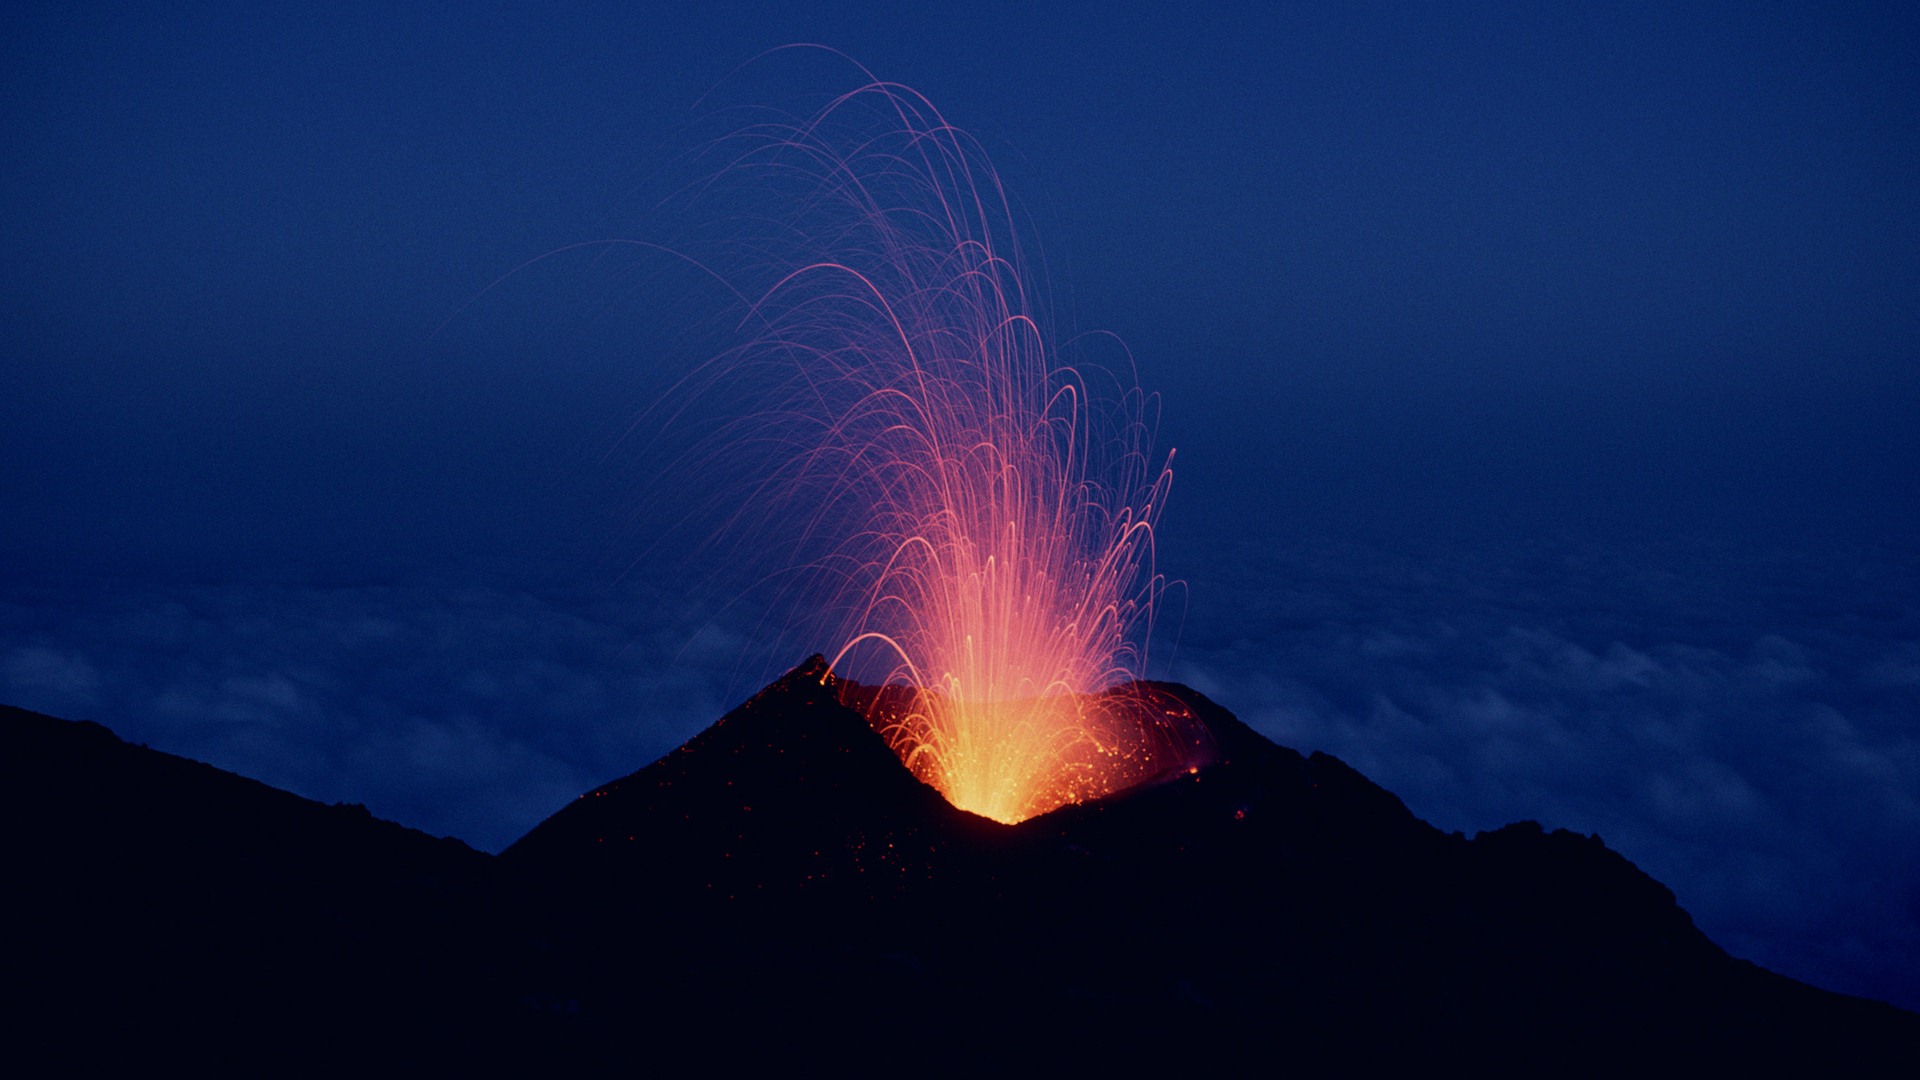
1012, 760
975, 519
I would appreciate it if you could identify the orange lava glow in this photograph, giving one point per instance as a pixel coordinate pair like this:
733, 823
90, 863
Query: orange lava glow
1012, 760
976, 514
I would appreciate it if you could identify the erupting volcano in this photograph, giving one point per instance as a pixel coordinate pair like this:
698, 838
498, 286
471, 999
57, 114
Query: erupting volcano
973, 517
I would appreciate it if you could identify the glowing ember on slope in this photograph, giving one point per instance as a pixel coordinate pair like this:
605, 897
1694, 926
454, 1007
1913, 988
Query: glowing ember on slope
976, 519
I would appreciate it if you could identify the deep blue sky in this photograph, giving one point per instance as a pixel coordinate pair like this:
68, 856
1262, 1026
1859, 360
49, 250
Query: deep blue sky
1542, 381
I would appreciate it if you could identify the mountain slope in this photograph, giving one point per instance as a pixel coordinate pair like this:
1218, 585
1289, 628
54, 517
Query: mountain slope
781, 889
1265, 896
161, 905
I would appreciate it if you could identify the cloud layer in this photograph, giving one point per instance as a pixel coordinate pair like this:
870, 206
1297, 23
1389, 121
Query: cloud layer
462, 709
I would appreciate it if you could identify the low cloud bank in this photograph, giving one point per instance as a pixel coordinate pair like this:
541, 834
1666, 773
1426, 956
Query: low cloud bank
463, 709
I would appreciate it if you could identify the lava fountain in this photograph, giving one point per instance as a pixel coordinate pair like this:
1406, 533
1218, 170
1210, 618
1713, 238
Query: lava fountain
970, 517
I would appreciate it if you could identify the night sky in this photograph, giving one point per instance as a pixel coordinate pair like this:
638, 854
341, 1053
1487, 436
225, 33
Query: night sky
1542, 382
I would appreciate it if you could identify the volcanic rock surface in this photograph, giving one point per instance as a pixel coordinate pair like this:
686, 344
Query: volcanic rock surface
780, 889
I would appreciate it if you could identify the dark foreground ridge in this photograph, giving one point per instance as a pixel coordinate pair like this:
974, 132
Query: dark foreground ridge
780, 891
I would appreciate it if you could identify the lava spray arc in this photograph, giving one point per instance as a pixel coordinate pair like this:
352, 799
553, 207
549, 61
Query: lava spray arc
973, 518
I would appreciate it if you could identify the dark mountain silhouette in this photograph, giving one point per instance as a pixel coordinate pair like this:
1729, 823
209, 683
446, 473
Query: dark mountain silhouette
163, 909
780, 890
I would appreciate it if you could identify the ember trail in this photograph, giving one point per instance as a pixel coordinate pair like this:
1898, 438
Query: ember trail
973, 517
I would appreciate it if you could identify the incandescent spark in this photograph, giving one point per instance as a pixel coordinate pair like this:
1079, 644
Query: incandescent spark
972, 517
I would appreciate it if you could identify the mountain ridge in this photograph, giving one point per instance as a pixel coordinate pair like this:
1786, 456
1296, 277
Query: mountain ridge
781, 870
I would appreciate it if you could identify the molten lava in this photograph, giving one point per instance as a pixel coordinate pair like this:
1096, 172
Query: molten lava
1012, 760
975, 516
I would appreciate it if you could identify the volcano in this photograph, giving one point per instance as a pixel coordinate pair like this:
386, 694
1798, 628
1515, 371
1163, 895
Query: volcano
780, 889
